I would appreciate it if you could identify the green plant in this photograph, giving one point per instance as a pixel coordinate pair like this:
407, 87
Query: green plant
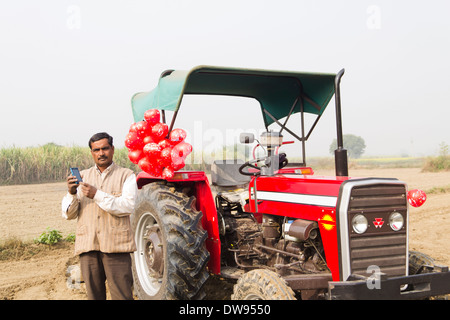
439, 163
70, 238
49, 237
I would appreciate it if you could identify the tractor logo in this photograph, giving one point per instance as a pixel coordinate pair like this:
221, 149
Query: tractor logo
378, 222
327, 222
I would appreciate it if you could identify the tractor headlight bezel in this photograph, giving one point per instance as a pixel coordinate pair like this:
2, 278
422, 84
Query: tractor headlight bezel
360, 223
396, 221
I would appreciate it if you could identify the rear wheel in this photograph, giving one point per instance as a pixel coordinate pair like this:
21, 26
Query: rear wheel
262, 284
171, 258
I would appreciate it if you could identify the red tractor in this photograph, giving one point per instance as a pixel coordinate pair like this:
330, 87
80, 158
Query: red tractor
271, 225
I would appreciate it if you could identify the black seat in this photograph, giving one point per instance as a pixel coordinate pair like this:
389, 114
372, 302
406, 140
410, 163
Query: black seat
230, 186
225, 173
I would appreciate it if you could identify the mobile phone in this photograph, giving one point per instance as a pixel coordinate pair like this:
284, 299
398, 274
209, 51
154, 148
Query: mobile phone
75, 172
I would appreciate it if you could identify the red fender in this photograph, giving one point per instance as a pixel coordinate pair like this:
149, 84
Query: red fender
205, 203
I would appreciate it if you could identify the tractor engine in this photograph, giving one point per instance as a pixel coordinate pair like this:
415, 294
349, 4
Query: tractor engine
286, 246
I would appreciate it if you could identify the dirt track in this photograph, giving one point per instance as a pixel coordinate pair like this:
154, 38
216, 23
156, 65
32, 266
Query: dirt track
27, 211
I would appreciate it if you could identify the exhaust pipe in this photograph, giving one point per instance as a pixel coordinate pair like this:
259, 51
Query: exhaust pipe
340, 154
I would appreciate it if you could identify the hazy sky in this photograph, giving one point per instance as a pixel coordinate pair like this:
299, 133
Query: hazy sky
68, 69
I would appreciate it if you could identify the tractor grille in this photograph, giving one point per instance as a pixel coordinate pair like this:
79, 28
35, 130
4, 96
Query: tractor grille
380, 245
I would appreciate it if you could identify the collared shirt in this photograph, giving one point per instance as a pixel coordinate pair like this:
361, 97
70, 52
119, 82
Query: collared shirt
118, 206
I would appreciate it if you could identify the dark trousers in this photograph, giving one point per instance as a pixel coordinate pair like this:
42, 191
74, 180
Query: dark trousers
97, 267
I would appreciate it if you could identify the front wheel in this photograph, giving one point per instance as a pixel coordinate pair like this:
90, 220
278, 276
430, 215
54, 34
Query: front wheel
262, 284
420, 263
171, 258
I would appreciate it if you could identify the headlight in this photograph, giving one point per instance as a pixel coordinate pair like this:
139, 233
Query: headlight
359, 223
396, 221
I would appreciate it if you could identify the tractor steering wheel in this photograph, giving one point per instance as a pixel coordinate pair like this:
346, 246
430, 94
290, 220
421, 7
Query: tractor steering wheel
251, 164
282, 162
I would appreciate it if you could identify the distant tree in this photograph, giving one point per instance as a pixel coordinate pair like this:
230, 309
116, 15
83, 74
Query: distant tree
355, 145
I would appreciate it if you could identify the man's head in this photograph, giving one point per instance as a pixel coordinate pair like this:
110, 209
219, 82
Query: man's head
102, 149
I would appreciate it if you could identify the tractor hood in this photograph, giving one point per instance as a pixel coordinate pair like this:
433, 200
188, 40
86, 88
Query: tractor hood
276, 91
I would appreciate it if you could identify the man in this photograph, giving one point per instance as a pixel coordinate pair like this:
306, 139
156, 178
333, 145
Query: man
103, 203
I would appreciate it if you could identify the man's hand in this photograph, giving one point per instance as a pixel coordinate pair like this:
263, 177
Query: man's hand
88, 190
72, 184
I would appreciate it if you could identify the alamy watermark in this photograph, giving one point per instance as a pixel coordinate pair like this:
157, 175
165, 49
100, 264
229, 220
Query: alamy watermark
73, 21
373, 21
73, 274
374, 281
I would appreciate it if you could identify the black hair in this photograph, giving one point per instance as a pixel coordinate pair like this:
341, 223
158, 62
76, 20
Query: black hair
100, 136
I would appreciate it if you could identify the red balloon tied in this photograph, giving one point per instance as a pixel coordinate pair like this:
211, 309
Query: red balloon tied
160, 131
164, 143
133, 127
143, 129
177, 135
148, 139
168, 173
132, 141
182, 149
145, 164
416, 197
177, 163
166, 156
152, 116
151, 167
135, 155
152, 150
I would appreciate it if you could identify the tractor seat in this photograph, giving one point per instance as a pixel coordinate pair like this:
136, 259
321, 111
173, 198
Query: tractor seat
228, 182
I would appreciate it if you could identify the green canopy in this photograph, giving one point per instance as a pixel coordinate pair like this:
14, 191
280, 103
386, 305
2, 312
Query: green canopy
278, 92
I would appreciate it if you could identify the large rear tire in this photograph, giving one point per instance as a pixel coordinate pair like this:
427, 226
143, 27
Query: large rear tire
171, 258
262, 284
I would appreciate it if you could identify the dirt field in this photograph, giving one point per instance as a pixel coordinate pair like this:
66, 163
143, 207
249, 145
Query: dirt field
27, 211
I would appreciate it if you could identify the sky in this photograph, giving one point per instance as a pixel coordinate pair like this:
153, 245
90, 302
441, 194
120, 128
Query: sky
68, 69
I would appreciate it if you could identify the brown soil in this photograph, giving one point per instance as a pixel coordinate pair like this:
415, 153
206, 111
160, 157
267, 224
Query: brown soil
28, 210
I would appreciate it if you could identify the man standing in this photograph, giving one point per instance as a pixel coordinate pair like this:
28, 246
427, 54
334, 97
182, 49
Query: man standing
103, 203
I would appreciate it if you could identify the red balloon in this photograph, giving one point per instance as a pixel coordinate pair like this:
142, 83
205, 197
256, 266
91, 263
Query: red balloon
152, 116
151, 167
177, 164
416, 197
160, 131
166, 156
164, 143
143, 129
132, 141
135, 155
177, 135
182, 150
145, 164
133, 127
152, 150
168, 173
148, 139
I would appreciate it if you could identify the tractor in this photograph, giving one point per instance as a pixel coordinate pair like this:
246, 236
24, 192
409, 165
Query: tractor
268, 223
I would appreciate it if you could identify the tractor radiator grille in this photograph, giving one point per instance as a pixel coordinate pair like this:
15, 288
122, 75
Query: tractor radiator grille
386, 252
380, 245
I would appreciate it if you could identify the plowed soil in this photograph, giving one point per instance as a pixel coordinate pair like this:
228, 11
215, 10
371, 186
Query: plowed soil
28, 210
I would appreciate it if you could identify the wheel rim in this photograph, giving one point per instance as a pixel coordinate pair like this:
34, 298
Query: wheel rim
149, 256
253, 296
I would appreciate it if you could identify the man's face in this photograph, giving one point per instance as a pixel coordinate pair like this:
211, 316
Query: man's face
102, 153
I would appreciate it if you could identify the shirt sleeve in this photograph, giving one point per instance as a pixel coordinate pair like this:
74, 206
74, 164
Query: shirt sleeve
122, 205
70, 206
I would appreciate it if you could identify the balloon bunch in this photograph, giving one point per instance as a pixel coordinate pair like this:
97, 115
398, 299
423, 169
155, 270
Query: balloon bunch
154, 149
